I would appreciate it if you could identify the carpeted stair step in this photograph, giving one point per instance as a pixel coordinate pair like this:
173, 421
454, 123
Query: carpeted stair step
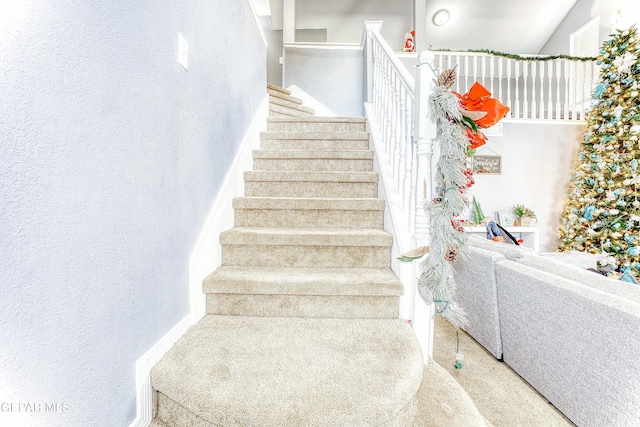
274, 140
289, 111
306, 247
280, 372
296, 212
273, 89
313, 160
289, 102
275, 95
282, 104
303, 292
311, 184
317, 124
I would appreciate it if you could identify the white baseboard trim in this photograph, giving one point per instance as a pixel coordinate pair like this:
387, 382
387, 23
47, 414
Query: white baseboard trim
207, 253
144, 393
205, 258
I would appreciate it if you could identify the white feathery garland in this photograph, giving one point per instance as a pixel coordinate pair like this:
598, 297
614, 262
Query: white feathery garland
447, 240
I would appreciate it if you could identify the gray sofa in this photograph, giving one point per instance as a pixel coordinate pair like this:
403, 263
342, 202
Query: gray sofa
572, 334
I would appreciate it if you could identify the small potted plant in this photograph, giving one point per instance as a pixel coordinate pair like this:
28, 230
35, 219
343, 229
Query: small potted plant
524, 216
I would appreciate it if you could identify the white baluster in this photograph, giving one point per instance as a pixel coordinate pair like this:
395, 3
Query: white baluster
457, 62
550, 96
474, 77
525, 98
408, 160
510, 102
466, 74
541, 68
534, 101
558, 67
500, 77
483, 68
492, 72
516, 85
403, 141
566, 90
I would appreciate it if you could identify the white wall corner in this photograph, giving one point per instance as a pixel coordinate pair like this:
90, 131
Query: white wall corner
258, 24
205, 258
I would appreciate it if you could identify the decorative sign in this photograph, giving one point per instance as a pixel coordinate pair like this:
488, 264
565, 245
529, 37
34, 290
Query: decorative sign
487, 164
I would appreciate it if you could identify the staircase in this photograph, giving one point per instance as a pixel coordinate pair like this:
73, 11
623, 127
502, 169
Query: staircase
302, 323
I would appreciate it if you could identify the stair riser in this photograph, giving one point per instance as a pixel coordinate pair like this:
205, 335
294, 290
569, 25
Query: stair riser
286, 111
318, 306
316, 165
310, 189
308, 218
175, 415
273, 89
306, 256
315, 127
314, 144
289, 102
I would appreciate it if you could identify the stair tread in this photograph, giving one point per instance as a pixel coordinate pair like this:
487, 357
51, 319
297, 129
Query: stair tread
303, 281
293, 371
305, 236
289, 111
288, 203
314, 135
311, 176
314, 154
317, 119
278, 89
283, 96
288, 101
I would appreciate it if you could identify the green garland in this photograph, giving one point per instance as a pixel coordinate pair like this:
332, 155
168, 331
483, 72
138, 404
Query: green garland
523, 58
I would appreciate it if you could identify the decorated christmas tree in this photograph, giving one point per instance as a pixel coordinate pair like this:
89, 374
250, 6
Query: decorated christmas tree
602, 213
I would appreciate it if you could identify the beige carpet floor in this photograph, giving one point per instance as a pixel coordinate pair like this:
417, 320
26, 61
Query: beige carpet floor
502, 397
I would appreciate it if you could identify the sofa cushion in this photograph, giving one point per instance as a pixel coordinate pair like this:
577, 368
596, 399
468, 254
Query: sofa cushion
579, 259
622, 289
576, 344
475, 279
507, 250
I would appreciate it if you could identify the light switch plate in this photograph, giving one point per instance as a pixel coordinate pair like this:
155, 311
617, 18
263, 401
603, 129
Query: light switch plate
183, 52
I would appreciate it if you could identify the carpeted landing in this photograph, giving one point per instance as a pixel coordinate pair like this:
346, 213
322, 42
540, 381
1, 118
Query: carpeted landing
275, 371
500, 395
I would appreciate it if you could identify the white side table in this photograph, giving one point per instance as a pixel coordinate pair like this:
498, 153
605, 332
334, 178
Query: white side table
529, 235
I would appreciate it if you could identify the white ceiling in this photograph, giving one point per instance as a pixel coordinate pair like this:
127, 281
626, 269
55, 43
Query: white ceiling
514, 26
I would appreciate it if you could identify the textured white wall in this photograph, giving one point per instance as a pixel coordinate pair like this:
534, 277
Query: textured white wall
581, 13
537, 163
344, 19
334, 77
110, 157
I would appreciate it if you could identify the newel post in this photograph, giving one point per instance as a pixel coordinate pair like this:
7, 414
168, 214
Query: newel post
424, 135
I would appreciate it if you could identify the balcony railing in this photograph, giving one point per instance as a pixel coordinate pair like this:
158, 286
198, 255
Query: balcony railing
534, 87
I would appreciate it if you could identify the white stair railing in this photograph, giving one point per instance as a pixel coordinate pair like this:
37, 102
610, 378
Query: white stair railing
402, 135
533, 87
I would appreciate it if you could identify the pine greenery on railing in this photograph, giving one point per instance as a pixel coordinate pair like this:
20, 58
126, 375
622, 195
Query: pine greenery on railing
525, 57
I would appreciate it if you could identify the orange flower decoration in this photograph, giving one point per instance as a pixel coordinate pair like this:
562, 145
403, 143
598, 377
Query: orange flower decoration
479, 99
476, 139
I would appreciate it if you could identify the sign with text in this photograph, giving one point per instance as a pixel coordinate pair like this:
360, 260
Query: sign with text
487, 164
